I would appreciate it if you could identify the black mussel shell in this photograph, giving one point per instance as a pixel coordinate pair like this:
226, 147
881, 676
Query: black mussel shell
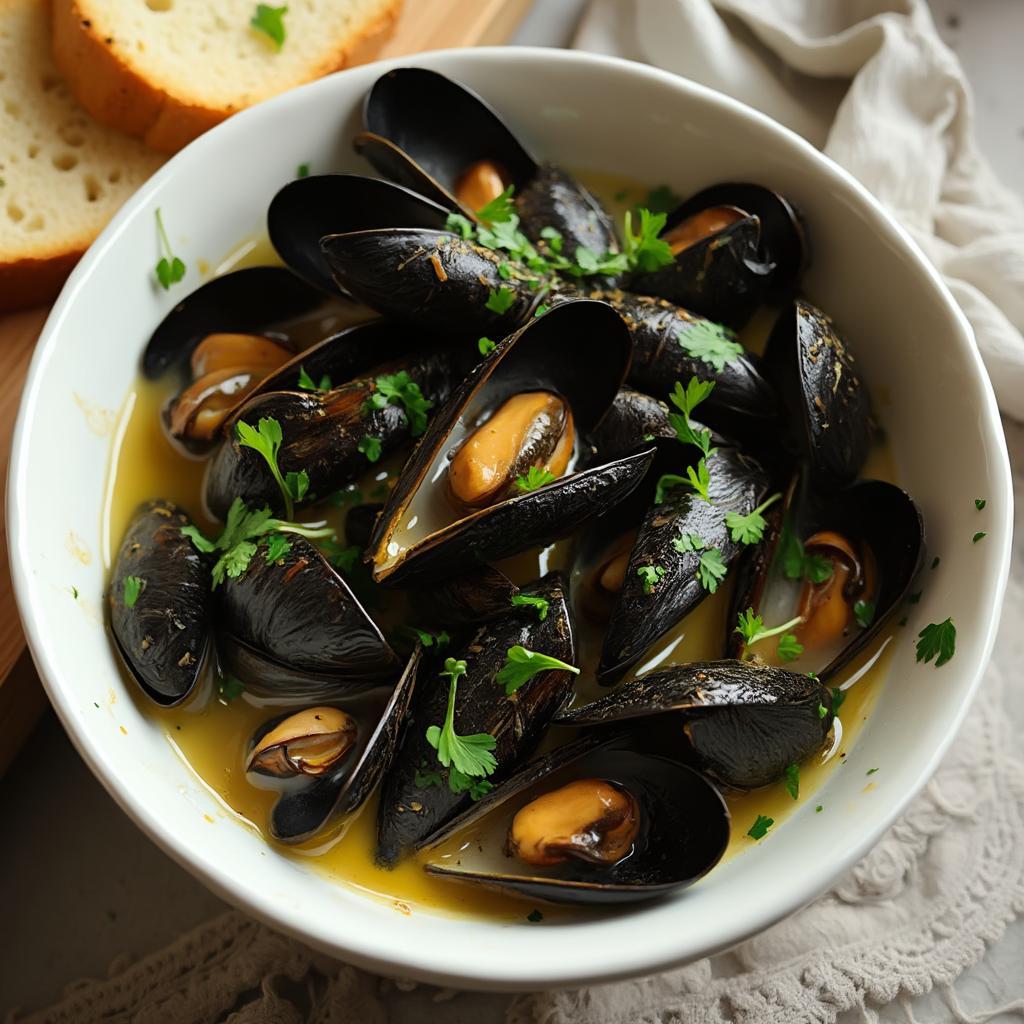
743, 402
643, 613
243, 301
476, 596
432, 279
359, 523
302, 812
579, 350
871, 512
744, 722
684, 827
295, 627
322, 432
410, 810
826, 402
327, 204
164, 637
632, 421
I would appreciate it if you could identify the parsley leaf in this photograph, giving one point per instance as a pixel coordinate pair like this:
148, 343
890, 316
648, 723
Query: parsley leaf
471, 755
169, 270
460, 783
370, 447
229, 688
270, 21
797, 564
789, 648
751, 627
645, 251
459, 225
429, 639
198, 540
541, 310
522, 665
133, 586
534, 916
749, 528
308, 384
266, 439
686, 401
538, 604
864, 613
838, 697
400, 389
486, 346
424, 778
662, 200
650, 576
937, 640
713, 343
500, 301
534, 478
760, 827
700, 479
342, 558
302, 171
688, 542
711, 569
980, 503
666, 482
978, 536
793, 781
277, 547
499, 209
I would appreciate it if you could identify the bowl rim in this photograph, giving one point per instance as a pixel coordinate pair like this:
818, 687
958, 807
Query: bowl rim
431, 964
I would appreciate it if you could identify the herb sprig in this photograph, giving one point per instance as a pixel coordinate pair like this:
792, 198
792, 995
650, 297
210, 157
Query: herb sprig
270, 21
469, 755
521, 665
169, 269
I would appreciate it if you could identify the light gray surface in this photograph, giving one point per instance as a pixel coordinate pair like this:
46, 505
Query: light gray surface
79, 885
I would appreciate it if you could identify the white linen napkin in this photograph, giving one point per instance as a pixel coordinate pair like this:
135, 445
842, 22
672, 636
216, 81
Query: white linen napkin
871, 84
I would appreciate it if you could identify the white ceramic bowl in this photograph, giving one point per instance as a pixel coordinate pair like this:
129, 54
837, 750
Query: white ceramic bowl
918, 356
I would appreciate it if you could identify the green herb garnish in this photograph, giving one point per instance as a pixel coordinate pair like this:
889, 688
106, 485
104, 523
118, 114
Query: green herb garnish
169, 270
645, 251
277, 547
711, 569
751, 627
661, 200
308, 384
522, 665
133, 586
270, 21
818, 809
428, 639
666, 482
266, 439
760, 827
797, 564
400, 389
650, 577
535, 478
789, 648
499, 209
935, 562
710, 342
686, 400
486, 346
229, 688
471, 755
978, 536
302, 171
980, 503
937, 640
341, 557
699, 478
871, 771
459, 225
370, 447
793, 781
500, 301
534, 916
538, 604
749, 528
541, 310
688, 542
864, 613
838, 697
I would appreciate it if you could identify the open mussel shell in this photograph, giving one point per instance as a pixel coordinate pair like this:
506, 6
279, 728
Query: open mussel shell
683, 828
163, 636
292, 628
411, 807
632, 420
643, 613
429, 278
308, 208
426, 131
827, 408
305, 809
242, 302
322, 431
743, 402
870, 514
578, 351
742, 722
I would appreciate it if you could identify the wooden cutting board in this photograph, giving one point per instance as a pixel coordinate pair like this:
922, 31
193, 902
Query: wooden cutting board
423, 25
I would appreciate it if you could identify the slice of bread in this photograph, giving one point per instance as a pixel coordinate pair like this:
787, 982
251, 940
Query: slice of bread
62, 176
166, 70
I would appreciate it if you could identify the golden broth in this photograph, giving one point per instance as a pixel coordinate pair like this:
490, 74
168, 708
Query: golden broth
211, 735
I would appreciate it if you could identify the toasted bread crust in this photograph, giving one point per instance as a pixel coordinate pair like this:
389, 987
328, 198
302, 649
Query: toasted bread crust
117, 95
34, 282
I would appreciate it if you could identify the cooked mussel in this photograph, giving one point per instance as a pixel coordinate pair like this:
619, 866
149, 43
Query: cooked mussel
160, 603
734, 244
570, 362
325, 433
633, 419
419, 795
326, 204
476, 596
827, 409
835, 567
242, 302
434, 135
328, 760
292, 629
595, 821
742, 722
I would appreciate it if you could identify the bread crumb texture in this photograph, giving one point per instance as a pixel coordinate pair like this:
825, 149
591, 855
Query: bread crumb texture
62, 176
209, 55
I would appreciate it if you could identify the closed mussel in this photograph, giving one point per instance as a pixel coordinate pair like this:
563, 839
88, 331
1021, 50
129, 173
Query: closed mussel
160, 603
327, 760
496, 472
597, 821
420, 793
743, 723
438, 137
291, 628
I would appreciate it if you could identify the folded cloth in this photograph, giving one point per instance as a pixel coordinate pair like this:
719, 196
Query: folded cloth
871, 84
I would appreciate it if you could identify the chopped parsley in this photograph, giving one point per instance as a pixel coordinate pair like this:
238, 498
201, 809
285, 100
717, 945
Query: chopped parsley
486, 346
229, 688
169, 269
458, 782
710, 342
864, 613
500, 301
751, 627
980, 503
699, 478
871, 771
270, 21
133, 586
541, 310
797, 564
666, 482
650, 577
302, 171
535, 478
978, 536
74, 592
400, 389
470, 755
522, 665
760, 827
538, 604
308, 384
662, 200
749, 528
499, 209
937, 640
838, 697
534, 916
429, 639
266, 439
425, 777
459, 225
935, 562
915, 597
793, 781
789, 648
370, 447
822, 711
688, 542
711, 569
818, 809
644, 250
277, 547
686, 400
342, 558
